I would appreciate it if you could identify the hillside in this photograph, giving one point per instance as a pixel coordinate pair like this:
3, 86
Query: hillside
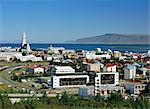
115, 39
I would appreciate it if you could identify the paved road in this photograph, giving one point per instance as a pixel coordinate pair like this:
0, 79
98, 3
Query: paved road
5, 78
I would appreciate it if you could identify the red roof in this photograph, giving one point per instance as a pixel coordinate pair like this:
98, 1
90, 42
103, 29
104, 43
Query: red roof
109, 65
36, 67
148, 67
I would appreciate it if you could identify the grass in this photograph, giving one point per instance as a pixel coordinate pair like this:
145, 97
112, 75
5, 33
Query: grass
19, 70
20, 63
4, 87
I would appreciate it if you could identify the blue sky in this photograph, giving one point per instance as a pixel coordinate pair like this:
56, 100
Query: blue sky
57, 21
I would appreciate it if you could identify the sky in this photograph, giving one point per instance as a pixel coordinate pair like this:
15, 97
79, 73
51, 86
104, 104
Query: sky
57, 21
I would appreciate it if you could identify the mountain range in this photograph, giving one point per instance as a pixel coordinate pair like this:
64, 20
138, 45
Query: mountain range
114, 39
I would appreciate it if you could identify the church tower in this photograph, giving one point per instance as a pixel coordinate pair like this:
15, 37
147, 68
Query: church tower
24, 39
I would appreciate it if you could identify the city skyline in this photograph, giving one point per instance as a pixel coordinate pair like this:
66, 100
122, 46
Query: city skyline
58, 21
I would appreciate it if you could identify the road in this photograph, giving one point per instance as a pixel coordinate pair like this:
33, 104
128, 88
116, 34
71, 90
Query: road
5, 78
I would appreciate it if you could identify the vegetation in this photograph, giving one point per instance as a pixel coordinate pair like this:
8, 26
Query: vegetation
65, 101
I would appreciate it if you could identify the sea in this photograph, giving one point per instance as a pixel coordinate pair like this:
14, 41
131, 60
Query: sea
138, 48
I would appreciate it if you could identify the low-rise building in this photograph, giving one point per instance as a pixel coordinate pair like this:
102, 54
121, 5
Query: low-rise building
35, 69
69, 81
134, 87
61, 70
110, 68
29, 58
117, 54
107, 90
94, 67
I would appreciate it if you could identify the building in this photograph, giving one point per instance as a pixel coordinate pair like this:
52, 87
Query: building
9, 56
56, 70
107, 79
106, 83
69, 81
129, 72
55, 50
35, 69
117, 54
29, 58
110, 68
134, 87
86, 91
107, 90
94, 67
25, 47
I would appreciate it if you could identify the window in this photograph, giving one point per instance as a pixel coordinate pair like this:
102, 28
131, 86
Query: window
72, 81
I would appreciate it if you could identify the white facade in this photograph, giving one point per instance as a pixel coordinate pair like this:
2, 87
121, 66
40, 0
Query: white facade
55, 50
38, 70
92, 55
104, 85
110, 68
66, 81
62, 70
106, 90
29, 58
98, 79
130, 72
8, 56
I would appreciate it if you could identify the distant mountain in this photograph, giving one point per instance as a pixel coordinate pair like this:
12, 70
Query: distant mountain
115, 39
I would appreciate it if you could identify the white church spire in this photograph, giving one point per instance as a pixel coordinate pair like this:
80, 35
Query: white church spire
24, 39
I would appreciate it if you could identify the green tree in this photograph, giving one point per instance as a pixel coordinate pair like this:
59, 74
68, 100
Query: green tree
64, 98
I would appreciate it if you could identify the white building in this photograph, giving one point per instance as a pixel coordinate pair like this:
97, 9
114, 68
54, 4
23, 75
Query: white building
36, 69
92, 55
107, 82
134, 87
25, 47
61, 70
69, 81
107, 79
9, 56
99, 50
55, 50
130, 72
29, 58
107, 90
110, 68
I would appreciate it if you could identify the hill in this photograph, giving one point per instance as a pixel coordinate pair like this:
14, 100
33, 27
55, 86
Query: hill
115, 39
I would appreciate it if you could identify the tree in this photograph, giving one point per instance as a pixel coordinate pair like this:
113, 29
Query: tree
64, 98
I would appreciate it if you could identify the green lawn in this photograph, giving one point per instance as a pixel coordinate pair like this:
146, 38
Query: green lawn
19, 63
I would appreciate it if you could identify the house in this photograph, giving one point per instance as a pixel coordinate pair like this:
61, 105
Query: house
36, 69
117, 54
29, 58
134, 87
55, 50
57, 70
110, 67
94, 67
129, 72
